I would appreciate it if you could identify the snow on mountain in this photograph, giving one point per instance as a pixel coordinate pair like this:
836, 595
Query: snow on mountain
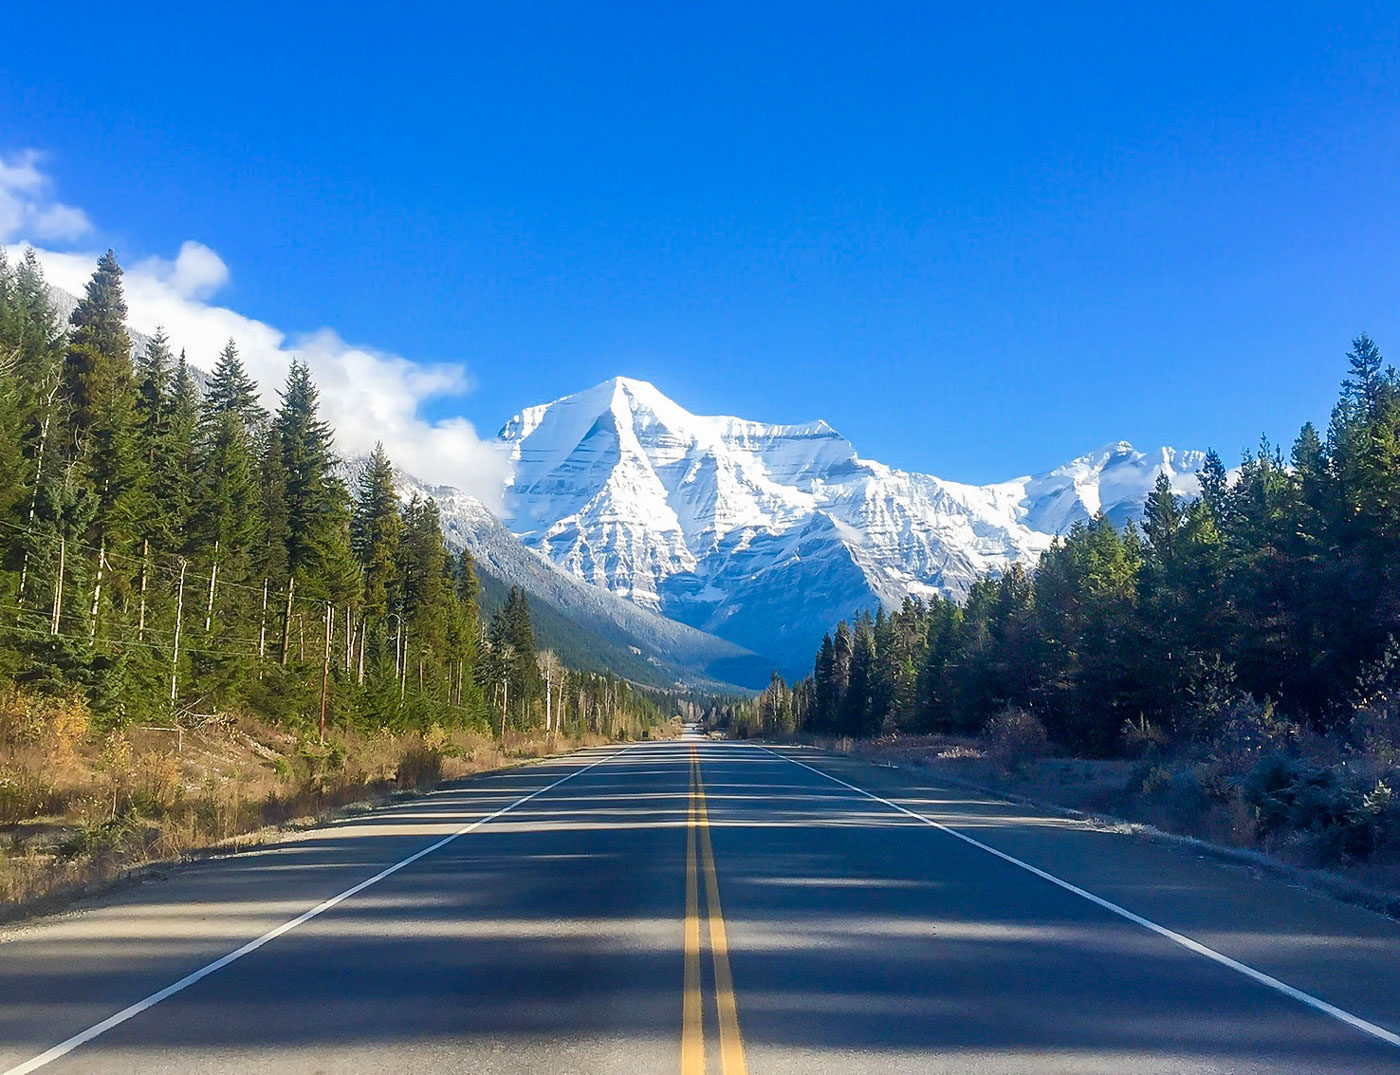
767, 534
618, 630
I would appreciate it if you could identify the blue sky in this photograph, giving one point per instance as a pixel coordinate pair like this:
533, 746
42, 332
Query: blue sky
978, 242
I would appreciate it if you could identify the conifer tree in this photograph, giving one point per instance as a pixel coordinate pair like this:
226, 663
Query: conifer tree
99, 391
318, 516
231, 390
97, 367
374, 531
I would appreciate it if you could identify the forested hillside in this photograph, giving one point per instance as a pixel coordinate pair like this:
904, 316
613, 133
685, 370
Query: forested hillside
1279, 585
169, 553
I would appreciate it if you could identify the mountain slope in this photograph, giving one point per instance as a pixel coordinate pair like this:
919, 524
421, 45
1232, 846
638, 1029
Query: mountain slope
589, 627
767, 534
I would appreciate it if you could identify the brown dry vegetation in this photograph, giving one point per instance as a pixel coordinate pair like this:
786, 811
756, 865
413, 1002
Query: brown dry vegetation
79, 808
1284, 794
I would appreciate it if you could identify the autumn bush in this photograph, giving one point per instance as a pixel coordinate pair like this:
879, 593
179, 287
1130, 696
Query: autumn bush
1014, 737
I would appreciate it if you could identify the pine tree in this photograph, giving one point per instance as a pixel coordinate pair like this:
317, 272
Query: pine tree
183, 433
271, 558
374, 531
231, 390
318, 516
1365, 383
158, 514
97, 367
98, 386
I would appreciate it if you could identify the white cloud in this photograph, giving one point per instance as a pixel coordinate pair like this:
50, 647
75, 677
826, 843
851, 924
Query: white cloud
26, 204
367, 395
196, 273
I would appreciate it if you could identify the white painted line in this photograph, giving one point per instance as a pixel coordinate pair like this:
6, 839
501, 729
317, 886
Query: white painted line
63, 1048
1316, 1003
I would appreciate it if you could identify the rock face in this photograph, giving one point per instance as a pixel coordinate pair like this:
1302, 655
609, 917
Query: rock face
601, 629
767, 534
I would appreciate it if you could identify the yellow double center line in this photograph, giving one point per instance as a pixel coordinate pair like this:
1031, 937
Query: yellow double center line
731, 1043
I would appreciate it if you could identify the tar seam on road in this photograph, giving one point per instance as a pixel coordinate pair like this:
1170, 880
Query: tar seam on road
731, 1042
1316, 1003
63, 1048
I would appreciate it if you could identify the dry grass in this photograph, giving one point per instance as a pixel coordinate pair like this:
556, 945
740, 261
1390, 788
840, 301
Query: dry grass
1183, 796
78, 809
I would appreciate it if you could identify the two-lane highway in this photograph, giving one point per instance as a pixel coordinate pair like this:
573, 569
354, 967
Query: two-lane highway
702, 906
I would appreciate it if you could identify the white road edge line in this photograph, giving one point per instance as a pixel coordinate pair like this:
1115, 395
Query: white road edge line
63, 1048
1316, 1003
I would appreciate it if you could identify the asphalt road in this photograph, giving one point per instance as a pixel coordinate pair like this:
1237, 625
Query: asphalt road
697, 906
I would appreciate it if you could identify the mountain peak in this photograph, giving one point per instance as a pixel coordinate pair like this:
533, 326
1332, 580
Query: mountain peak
767, 534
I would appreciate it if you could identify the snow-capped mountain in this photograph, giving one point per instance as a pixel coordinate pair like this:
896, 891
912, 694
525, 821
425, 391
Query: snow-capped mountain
767, 534
632, 641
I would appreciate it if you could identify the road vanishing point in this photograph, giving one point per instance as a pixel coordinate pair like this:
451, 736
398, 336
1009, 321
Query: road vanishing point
701, 906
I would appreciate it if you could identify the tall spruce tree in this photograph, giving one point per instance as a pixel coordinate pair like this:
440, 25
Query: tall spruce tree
318, 515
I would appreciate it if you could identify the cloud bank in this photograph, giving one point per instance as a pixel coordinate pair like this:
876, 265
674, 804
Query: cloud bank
367, 394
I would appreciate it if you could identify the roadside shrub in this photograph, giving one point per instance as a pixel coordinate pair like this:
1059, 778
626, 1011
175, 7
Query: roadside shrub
24, 794
1314, 807
1374, 729
1015, 737
1250, 728
419, 765
157, 787
54, 725
1141, 737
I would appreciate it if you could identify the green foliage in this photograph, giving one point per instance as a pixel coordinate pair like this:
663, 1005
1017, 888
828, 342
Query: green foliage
1282, 584
168, 555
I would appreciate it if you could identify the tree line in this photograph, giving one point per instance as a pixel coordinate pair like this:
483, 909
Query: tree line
1280, 582
172, 547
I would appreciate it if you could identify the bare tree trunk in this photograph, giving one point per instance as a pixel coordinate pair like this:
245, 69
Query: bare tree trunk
262, 627
287, 621
145, 559
213, 575
34, 496
326, 671
179, 615
97, 589
58, 587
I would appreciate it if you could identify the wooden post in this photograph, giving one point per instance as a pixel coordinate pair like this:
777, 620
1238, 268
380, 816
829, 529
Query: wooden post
179, 612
